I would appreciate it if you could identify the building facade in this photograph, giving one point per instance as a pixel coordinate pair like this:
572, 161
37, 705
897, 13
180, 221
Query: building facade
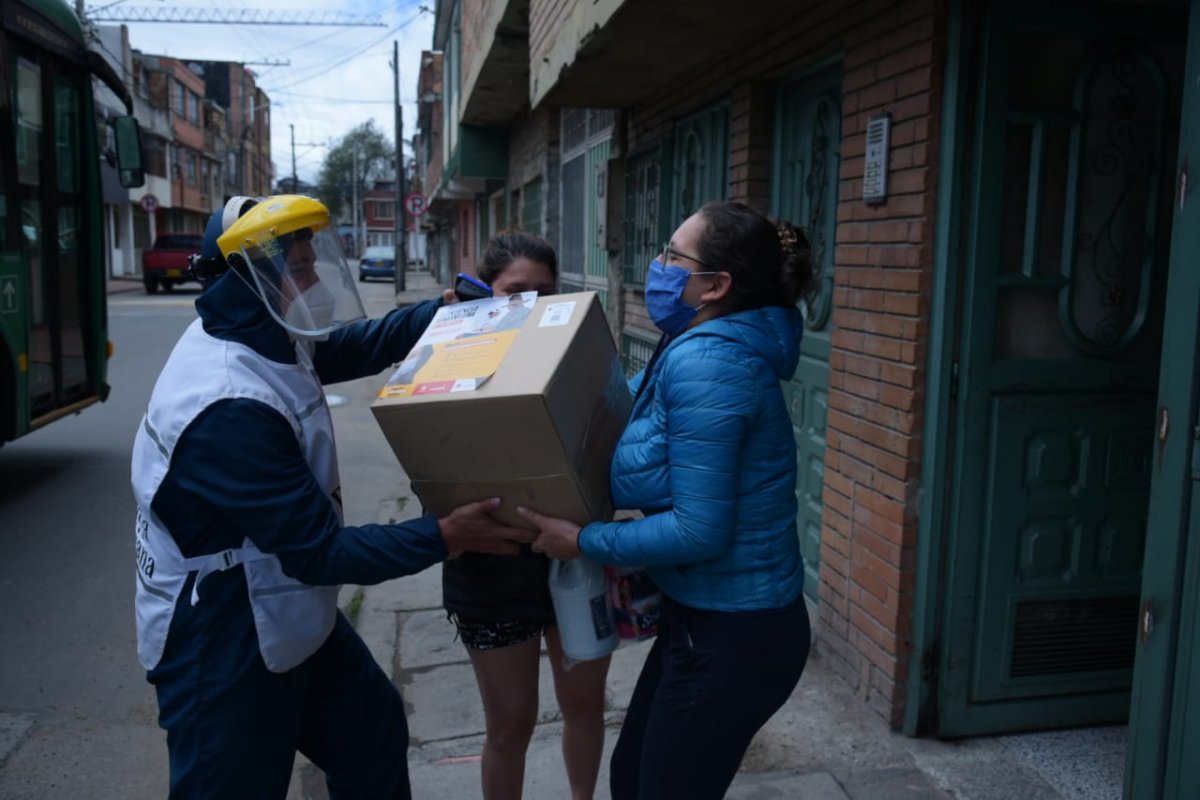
995, 394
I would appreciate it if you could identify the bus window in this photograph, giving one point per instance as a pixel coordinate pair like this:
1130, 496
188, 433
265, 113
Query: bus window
29, 122
69, 281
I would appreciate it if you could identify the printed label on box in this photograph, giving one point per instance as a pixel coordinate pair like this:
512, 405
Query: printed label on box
458, 365
557, 314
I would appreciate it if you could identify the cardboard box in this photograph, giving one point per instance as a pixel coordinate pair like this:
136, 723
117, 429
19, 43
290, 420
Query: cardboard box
530, 414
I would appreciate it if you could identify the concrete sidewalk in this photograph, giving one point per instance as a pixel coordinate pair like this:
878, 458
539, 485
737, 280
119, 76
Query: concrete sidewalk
825, 743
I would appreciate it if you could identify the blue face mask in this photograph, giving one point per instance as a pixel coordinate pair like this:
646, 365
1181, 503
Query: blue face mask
664, 297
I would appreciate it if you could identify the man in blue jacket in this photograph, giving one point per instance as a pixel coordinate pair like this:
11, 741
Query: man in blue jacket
240, 542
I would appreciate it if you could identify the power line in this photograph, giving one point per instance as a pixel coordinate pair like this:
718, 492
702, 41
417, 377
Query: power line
230, 16
324, 68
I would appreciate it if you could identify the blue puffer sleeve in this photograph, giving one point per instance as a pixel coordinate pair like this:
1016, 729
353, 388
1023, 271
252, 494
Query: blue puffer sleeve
710, 398
238, 472
369, 346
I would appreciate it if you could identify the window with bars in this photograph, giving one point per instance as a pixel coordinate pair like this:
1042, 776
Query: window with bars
155, 155
645, 228
531, 208
700, 162
586, 142
636, 349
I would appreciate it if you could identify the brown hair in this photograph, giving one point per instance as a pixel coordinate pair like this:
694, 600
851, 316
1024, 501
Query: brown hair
507, 246
770, 262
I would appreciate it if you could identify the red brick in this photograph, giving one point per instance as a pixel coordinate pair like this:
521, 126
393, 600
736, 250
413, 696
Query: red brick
877, 94
899, 374
887, 552
851, 168
893, 465
898, 62
908, 181
905, 205
847, 340
909, 304
887, 616
918, 80
887, 231
833, 560
885, 507
915, 106
886, 528
896, 280
856, 470
851, 255
835, 480
865, 367
894, 396
860, 77
835, 530
876, 643
910, 155
892, 487
832, 499
854, 145
854, 232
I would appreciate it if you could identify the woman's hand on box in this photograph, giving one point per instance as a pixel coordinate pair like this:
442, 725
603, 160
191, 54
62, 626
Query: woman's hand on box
471, 527
557, 538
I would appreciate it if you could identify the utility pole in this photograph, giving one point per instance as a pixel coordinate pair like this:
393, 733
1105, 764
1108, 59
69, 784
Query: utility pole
401, 223
295, 189
354, 200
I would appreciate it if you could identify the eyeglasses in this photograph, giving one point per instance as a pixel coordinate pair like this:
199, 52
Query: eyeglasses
667, 252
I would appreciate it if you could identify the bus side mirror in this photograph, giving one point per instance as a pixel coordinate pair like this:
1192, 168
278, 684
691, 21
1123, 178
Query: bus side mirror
129, 152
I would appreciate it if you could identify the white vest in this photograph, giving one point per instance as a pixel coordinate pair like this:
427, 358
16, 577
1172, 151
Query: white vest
292, 619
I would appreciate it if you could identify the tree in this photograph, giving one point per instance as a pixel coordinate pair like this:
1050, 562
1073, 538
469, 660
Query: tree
336, 181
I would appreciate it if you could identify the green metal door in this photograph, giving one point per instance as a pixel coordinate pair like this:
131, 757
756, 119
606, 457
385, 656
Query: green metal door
700, 171
1062, 322
1165, 710
808, 114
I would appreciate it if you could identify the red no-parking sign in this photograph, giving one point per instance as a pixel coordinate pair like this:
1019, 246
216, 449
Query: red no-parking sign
415, 204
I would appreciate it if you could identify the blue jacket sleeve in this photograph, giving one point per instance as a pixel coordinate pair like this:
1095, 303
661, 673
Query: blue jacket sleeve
369, 346
709, 399
239, 472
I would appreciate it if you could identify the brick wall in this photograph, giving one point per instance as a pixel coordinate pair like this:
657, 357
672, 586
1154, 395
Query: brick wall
533, 153
889, 53
873, 442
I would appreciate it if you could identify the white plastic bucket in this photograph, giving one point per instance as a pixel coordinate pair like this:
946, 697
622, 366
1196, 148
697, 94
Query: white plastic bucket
579, 590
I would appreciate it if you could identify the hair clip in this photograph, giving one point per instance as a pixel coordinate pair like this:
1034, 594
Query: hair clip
787, 236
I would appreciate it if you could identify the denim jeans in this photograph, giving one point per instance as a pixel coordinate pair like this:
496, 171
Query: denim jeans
711, 681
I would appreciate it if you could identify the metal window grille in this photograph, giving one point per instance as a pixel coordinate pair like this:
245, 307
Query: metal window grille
636, 349
642, 231
531, 211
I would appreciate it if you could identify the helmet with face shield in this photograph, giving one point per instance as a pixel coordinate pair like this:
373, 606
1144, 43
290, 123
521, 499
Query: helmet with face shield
296, 266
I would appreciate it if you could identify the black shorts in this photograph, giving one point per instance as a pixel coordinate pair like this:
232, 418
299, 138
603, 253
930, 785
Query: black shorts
487, 634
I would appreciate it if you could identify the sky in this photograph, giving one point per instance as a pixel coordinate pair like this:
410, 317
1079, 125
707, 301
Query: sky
338, 78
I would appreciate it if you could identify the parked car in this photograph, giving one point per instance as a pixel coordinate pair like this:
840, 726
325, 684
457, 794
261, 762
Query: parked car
377, 262
165, 264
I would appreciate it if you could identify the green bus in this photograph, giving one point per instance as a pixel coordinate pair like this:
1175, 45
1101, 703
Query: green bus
54, 346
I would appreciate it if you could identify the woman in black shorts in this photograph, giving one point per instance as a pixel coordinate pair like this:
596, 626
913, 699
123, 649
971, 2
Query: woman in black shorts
501, 606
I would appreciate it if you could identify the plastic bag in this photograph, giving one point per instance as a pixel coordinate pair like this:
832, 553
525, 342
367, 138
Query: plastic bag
637, 602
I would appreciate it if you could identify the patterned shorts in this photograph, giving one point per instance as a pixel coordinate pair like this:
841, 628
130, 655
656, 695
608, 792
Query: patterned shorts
486, 634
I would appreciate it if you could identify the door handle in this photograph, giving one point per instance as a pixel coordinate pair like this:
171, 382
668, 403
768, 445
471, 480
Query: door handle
1145, 622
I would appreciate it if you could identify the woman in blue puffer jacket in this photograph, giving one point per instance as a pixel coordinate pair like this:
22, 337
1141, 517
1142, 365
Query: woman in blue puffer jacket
708, 456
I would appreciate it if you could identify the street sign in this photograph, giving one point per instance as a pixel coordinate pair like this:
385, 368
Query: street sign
415, 204
149, 203
8, 294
